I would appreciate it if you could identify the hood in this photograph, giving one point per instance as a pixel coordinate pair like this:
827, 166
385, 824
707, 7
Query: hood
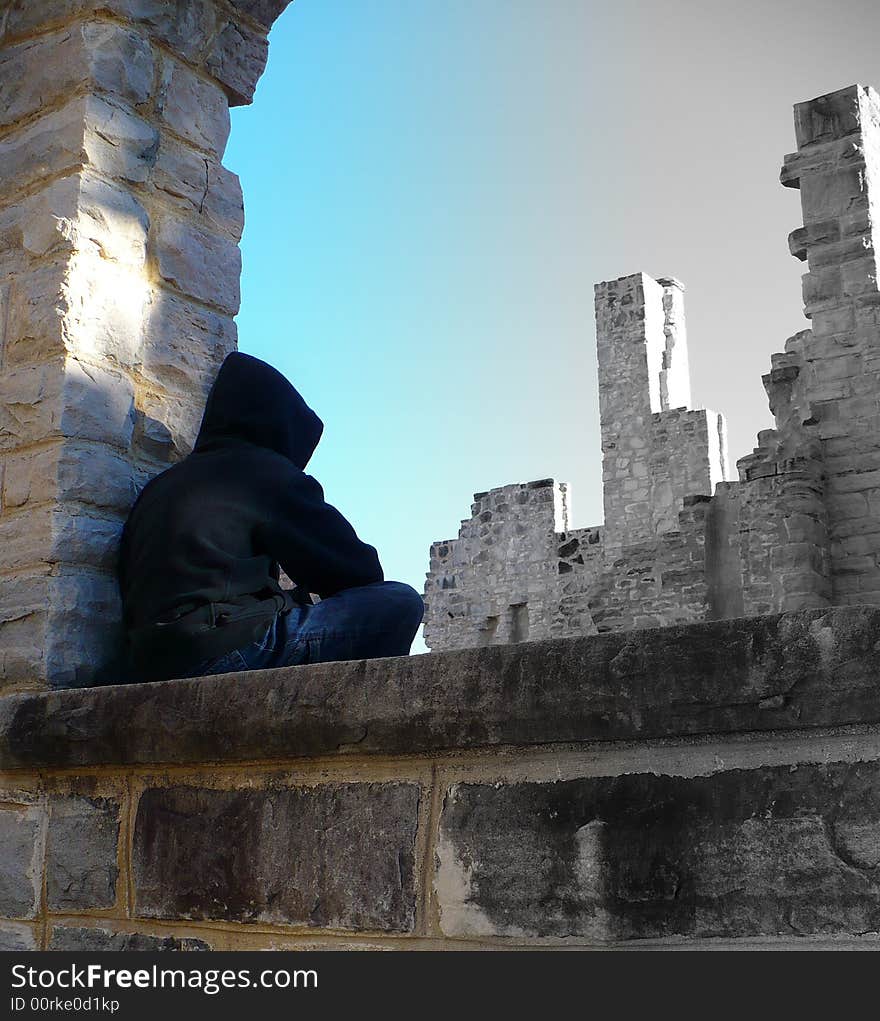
253, 402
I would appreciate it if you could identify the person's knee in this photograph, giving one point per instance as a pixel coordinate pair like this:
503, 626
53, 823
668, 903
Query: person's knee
405, 601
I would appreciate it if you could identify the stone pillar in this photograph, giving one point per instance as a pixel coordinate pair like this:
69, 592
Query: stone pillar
656, 450
119, 281
837, 169
630, 342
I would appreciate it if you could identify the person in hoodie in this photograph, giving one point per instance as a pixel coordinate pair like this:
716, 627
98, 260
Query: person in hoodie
204, 544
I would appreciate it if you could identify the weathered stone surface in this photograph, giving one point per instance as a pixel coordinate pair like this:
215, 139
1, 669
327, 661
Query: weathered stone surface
88, 130
53, 144
183, 27
203, 266
201, 187
238, 60
117, 142
81, 853
103, 56
168, 421
20, 875
811, 669
193, 108
187, 345
337, 855
47, 535
266, 12
786, 850
15, 938
78, 940
98, 405
83, 644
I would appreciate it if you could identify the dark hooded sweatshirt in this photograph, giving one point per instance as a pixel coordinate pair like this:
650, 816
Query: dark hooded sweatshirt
200, 555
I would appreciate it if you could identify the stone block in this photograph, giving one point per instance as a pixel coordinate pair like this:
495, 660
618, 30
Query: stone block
94, 474
828, 195
81, 213
72, 939
199, 186
36, 306
83, 646
17, 938
88, 130
238, 60
332, 856
111, 223
22, 656
20, 862
21, 596
187, 344
745, 853
184, 27
827, 118
23, 618
98, 55
708, 678
98, 405
120, 61
193, 108
51, 534
30, 404
107, 322
29, 479
203, 266
85, 538
81, 853
116, 141
51, 145
167, 423
266, 12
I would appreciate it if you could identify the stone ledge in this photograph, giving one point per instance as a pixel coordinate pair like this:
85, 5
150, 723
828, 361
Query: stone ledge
816, 668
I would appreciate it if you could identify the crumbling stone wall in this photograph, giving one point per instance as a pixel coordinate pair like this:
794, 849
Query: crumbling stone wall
119, 283
681, 541
661, 460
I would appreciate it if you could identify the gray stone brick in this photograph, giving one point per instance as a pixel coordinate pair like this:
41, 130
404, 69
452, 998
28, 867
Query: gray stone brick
81, 853
20, 875
71, 939
16, 938
336, 855
746, 853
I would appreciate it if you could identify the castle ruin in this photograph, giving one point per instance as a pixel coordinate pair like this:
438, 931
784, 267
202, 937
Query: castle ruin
682, 542
711, 783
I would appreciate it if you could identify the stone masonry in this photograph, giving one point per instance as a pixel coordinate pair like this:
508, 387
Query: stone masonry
681, 541
699, 786
119, 281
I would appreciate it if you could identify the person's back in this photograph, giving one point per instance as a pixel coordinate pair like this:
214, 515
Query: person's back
201, 550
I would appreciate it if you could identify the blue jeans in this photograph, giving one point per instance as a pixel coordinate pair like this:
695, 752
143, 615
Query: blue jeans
357, 623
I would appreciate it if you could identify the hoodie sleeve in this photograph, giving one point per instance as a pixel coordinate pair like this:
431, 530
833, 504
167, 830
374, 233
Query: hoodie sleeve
315, 545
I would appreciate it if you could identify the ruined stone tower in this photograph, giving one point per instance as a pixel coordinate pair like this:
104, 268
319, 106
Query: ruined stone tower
681, 542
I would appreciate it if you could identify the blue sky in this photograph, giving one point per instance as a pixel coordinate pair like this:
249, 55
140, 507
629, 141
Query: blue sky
432, 191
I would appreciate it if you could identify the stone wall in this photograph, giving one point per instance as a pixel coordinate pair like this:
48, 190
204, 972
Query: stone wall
119, 281
696, 786
681, 542
661, 460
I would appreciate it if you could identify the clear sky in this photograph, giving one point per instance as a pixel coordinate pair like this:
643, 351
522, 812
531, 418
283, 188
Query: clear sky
433, 189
